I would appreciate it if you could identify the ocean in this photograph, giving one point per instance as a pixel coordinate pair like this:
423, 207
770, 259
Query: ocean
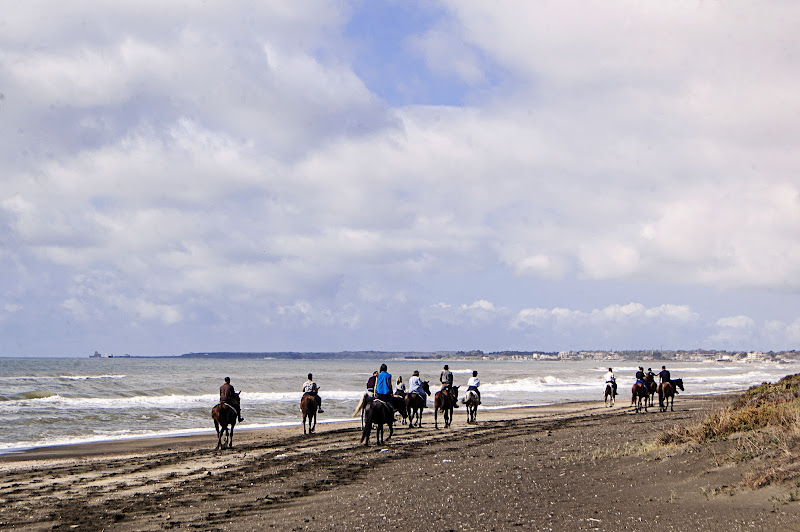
56, 401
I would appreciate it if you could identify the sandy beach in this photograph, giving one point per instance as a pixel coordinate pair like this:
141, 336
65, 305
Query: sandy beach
576, 466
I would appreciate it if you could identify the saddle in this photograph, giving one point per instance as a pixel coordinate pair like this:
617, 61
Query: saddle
232, 407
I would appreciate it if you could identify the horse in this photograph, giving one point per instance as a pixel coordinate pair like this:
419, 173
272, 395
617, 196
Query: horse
444, 400
223, 415
379, 413
399, 405
415, 404
651, 386
471, 402
608, 393
666, 394
639, 391
308, 406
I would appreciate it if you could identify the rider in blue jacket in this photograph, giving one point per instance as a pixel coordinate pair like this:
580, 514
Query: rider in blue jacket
383, 386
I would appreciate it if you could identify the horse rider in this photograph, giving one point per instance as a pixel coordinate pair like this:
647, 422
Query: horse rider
664, 376
446, 378
400, 389
383, 386
610, 379
640, 377
472, 385
310, 388
228, 395
371, 383
415, 385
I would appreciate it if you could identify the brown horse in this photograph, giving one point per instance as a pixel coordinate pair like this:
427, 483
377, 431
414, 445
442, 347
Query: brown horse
445, 400
609, 393
652, 387
639, 396
308, 406
224, 415
415, 404
471, 402
666, 394
378, 413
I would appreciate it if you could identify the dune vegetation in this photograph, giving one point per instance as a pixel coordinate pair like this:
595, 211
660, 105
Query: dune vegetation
764, 425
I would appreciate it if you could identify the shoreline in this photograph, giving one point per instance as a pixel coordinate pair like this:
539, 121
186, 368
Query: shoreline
156, 442
92, 446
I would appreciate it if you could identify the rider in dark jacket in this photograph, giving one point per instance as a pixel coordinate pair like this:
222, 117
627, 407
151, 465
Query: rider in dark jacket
664, 376
228, 395
640, 377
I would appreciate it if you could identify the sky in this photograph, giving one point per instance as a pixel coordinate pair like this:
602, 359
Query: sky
399, 176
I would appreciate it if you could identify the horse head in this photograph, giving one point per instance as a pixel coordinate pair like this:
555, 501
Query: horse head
455, 393
426, 388
679, 384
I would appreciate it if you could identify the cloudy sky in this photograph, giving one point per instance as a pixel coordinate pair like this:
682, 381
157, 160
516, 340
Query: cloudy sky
398, 175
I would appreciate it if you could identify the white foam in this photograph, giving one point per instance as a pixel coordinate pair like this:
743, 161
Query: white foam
171, 401
534, 385
118, 435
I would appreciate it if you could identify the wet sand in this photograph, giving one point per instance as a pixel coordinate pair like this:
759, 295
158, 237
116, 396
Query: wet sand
576, 466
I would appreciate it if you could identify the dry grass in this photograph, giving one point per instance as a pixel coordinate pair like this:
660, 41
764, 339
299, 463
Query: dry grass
765, 421
767, 405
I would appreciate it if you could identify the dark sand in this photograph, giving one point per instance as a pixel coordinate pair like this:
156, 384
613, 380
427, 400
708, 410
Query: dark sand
578, 466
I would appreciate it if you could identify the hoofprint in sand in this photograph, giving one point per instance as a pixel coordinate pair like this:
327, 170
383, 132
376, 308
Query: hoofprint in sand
564, 467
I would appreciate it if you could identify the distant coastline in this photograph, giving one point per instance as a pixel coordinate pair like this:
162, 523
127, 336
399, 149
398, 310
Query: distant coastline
698, 355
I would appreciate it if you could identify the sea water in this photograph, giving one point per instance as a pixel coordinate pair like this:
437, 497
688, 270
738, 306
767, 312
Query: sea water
53, 401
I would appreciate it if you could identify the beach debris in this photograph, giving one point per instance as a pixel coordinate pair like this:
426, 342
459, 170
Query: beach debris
384, 450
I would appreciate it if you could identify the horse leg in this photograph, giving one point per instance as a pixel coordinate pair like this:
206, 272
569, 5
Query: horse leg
436, 416
219, 435
230, 438
365, 432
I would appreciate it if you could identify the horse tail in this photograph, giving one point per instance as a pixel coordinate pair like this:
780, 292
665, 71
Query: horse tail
362, 403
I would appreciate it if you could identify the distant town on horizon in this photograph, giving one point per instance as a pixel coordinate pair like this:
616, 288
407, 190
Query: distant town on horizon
696, 355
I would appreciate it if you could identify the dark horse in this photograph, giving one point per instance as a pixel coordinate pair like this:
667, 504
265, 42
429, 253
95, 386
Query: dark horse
308, 406
666, 394
379, 413
445, 400
399, 405
415, 404
223, 415
639, 392
471, 402
609, 393
651, 387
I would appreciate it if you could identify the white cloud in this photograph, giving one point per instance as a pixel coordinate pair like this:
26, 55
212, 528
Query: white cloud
479, 313
315, 315
736, 322
629, 314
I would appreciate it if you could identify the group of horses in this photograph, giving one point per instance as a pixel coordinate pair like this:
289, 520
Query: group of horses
642, 394
374, 412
